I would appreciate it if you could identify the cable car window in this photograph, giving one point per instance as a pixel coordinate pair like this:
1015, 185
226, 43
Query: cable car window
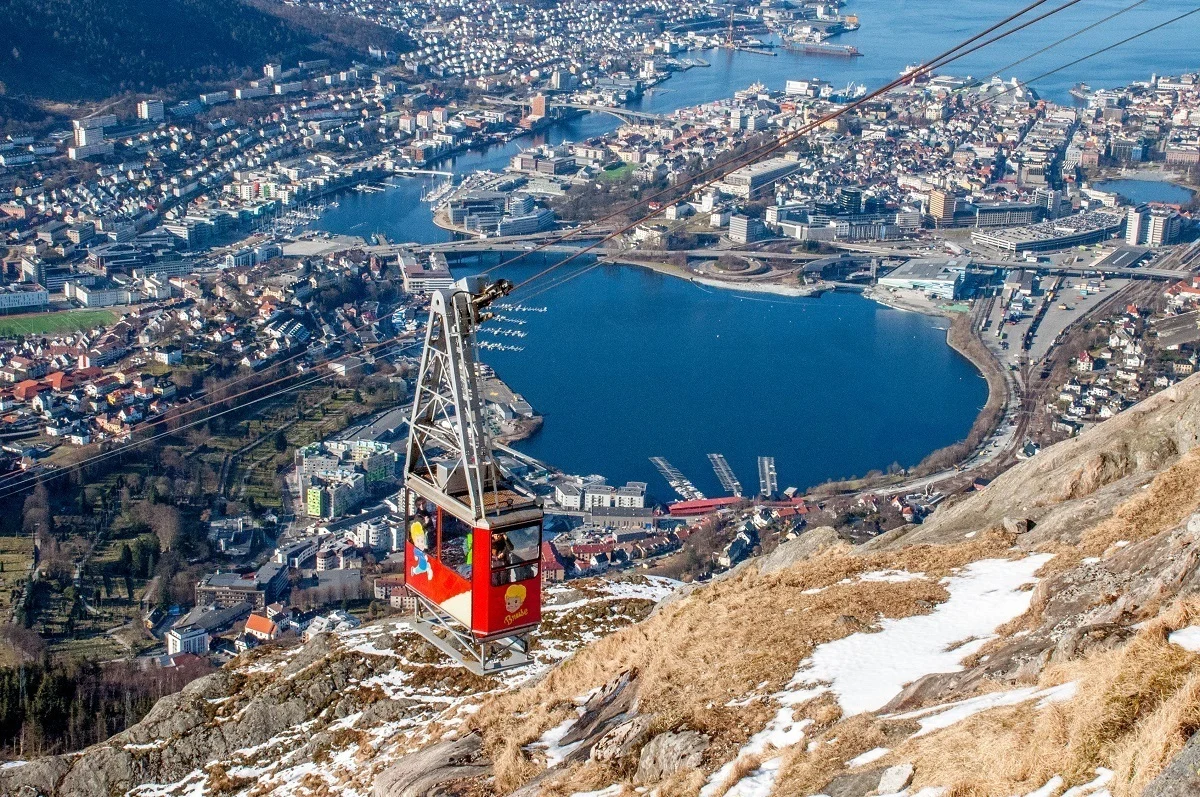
515, 554
456, 544
511, 575
422, 527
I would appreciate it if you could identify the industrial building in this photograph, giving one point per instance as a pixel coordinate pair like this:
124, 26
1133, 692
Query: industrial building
749, 181
942, 278
225, 590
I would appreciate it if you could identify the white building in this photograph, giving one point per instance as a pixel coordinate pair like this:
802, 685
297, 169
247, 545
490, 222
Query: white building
189, 639
151, 110
22, 297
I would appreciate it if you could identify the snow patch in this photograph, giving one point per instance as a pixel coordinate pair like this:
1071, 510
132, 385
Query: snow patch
1186, 638
890, 576
759, 782
549, 742
867, 670
1053, 785
611, 791
866, 758
935, 718
1094, 788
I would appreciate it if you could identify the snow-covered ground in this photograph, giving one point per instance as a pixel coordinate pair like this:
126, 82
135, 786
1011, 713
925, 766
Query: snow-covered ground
865, 671
360, 744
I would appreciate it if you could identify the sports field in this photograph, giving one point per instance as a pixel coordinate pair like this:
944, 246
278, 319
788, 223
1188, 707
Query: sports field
50, 323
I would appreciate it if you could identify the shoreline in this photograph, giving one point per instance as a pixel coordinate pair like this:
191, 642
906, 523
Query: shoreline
775, 288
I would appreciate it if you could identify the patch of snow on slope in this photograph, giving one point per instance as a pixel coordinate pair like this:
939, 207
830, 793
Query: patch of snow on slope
935, 718
873, 754
890, 576
866, 670
1093, 788
782, 732
759, 782
550, 741
1186, 638
611, 791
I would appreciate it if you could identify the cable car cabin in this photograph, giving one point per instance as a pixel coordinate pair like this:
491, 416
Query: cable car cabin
473, 539
483, 576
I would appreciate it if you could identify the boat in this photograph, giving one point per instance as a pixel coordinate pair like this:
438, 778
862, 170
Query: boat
815, 47
1081, 91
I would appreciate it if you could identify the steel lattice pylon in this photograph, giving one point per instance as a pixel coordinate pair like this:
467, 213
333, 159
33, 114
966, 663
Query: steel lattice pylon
448, 443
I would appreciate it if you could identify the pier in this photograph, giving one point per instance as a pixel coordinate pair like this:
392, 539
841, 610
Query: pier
768, 480
725, 474
679, 483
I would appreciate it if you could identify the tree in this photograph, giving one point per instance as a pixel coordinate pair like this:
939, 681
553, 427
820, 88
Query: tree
166, 523
281, 443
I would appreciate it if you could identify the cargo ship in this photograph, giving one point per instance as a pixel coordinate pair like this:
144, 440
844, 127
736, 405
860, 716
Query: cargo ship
816, 47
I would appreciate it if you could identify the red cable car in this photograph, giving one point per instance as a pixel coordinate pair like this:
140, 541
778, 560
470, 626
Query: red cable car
473, 536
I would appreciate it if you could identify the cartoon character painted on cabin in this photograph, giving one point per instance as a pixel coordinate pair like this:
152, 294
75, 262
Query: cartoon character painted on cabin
514, 596
420, 538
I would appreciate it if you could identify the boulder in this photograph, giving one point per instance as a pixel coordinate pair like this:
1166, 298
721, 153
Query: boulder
895, 778
669, 753
1016, 525
854, 784
606, 709
1181, 778
427, 772
623, 740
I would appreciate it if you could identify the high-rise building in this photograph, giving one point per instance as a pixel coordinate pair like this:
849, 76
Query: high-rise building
941, 205
1152, 226
1136, 222
537, 106
151, 110
849, 200
1162, 228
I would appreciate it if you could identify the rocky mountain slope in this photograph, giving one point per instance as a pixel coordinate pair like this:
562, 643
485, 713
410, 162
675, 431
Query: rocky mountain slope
1039, 638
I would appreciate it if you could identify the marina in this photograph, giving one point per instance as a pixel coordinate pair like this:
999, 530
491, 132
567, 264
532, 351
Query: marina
679, 483
768, 479
725, 474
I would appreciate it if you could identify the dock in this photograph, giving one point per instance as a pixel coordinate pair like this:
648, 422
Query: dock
679, 483
768, 479
725, 474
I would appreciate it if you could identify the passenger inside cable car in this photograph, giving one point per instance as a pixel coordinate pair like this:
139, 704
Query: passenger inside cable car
515, 554
439, 535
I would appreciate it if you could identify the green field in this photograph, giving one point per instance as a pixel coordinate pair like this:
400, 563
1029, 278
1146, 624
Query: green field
50, 323
617, 172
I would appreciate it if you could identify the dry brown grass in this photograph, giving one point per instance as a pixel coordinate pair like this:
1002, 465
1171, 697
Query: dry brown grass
806, 772
742, 766
1135, 708
745, 635
1164, 503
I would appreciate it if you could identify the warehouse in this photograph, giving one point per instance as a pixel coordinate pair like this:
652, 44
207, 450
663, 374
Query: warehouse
942, 278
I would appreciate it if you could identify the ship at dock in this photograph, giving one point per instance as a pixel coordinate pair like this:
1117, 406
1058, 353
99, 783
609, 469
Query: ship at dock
813, 45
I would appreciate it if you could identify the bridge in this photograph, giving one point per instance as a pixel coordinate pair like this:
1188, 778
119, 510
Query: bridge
624, 114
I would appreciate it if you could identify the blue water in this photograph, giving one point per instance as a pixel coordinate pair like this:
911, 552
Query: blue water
1147, 191
627, 364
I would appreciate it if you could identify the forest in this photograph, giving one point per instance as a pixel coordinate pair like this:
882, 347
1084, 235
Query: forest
51, 706
80, 50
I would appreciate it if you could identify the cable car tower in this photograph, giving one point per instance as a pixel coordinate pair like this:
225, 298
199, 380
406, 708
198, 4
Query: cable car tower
472, 546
